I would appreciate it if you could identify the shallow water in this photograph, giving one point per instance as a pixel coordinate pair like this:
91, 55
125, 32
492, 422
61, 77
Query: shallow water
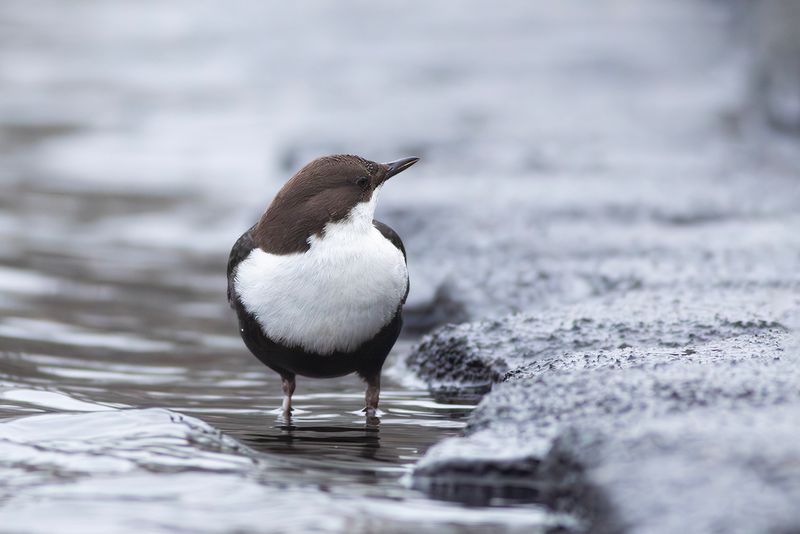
127, 400
100, 335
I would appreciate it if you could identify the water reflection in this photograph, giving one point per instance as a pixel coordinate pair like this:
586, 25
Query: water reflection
326, 435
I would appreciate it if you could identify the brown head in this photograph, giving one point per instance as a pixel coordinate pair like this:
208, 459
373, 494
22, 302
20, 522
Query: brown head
324, 191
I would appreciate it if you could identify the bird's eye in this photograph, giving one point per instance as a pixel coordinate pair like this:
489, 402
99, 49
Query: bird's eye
362, 181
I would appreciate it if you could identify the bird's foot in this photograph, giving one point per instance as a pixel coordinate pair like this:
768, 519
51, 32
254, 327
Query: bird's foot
288, 385
286, 407
372, 395
371, 411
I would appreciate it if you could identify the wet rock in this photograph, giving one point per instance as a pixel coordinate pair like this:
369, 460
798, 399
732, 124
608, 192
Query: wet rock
707, 470
442, 308
641, 413
580, 336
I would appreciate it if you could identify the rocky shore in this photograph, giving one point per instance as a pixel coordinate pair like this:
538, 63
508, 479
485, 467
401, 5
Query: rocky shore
642, 368
647, 412
643, 373
655, 384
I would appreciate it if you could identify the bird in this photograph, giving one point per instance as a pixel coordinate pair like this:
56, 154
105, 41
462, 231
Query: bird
318, 284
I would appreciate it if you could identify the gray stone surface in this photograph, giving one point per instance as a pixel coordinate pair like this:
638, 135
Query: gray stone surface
633, 328
641, 413
702, 471
637, 310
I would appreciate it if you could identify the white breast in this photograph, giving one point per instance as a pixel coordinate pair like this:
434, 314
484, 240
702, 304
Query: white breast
333, 297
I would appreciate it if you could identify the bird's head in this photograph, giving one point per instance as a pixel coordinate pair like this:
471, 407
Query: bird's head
327, 190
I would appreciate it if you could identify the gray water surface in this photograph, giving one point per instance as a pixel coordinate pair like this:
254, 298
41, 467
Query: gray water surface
128, 402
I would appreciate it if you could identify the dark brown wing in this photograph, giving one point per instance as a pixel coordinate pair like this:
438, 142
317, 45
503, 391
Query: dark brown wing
241, 249
392, 236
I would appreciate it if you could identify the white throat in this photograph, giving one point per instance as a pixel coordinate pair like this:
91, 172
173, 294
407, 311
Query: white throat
333, 297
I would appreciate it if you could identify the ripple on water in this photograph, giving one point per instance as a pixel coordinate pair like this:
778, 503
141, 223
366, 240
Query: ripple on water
43, 330
52, 400
159, 470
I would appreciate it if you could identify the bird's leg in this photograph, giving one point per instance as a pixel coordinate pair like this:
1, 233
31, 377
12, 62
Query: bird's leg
288, 383
372, 394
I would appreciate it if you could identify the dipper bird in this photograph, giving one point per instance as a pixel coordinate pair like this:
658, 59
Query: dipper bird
319, 285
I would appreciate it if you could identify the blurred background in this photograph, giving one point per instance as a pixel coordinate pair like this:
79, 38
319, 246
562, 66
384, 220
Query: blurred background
569, 150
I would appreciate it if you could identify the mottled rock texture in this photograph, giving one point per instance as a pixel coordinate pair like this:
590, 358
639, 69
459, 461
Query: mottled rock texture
631, 321
645, 412
625, 330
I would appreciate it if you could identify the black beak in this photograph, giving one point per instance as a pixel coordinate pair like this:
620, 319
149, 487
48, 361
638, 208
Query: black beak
396, 167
